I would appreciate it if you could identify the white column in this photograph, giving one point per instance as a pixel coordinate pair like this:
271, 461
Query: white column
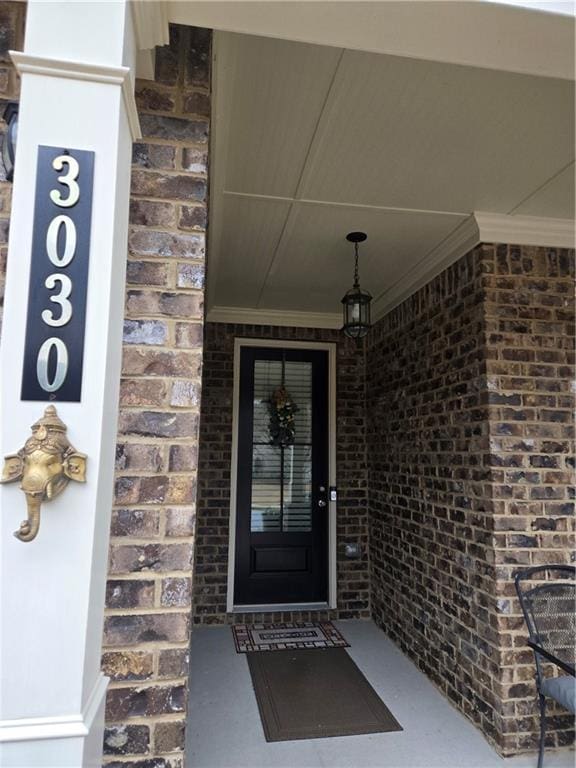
77, 92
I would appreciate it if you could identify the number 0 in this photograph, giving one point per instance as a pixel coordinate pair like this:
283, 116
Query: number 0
61, 364
69, 241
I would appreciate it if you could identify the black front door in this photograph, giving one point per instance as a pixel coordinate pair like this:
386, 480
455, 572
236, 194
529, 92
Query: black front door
282, 479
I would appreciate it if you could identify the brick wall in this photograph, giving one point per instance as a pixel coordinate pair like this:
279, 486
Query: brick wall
12, 17
469, 433
430, 536
211, 561
147, 625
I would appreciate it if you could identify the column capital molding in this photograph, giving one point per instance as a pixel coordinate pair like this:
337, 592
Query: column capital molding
27, 63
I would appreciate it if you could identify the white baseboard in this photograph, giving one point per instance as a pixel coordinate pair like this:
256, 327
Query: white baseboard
59, 726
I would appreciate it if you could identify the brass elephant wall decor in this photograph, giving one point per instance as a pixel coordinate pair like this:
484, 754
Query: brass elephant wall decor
45, 465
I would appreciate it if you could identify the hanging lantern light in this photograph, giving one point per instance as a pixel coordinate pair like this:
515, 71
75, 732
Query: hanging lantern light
356, 302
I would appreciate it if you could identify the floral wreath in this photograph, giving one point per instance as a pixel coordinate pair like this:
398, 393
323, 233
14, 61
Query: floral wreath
282, 424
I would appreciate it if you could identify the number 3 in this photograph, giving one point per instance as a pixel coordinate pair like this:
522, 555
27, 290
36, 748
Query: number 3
61, 299
69, 179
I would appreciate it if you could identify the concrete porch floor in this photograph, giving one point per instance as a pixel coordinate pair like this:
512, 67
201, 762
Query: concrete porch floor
224, 729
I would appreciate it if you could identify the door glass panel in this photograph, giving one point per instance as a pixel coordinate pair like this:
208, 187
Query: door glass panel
282, 473
297, 495
266, 489
267, 376
298, 383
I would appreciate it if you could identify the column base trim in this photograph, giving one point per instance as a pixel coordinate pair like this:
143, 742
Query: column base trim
60, 727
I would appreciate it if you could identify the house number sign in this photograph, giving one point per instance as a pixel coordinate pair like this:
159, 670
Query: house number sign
56, 319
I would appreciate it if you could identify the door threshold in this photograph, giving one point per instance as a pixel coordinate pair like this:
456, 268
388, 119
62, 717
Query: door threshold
273, 607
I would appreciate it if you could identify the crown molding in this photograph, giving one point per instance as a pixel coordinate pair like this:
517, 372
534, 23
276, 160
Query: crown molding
525, 230
287, 318
62, 727
150, 23
479, 228
461, 240
27, 63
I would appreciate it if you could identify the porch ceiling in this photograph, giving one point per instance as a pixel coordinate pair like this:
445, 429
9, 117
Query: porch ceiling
314, 141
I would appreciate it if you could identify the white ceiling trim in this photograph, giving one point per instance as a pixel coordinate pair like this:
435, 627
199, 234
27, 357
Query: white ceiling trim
477, 34
274, 317
525, 230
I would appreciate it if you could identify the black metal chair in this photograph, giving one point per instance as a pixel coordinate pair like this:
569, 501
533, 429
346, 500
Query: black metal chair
547, 596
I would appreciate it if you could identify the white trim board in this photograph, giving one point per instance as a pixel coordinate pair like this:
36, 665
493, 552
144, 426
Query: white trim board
288, 318
150, 23
468, 34
274, 607
151, 29
332, 480
62, 727
525, 230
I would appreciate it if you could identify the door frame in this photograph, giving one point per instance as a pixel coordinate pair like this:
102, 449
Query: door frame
329, 347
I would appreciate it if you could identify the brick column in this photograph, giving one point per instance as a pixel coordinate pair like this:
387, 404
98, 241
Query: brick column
147, 628
529, 311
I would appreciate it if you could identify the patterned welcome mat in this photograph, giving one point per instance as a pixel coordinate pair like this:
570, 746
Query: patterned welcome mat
284, 637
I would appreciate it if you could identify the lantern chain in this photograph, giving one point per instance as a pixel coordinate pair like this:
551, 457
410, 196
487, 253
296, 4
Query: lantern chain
356, 275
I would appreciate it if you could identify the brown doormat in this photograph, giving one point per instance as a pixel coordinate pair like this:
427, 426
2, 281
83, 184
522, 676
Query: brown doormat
287, 636
315, 694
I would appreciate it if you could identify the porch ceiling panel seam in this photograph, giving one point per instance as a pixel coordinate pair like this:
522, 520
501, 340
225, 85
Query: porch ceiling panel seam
542, 186
340, 204
306, 170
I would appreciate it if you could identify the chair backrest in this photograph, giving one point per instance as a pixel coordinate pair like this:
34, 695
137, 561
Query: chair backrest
547, 596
